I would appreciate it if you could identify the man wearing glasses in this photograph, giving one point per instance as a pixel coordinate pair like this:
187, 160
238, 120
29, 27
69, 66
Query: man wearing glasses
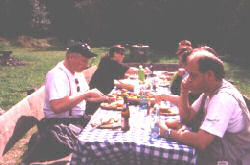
109, 69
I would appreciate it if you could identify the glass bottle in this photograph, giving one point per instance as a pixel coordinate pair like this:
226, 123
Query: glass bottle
125, 115
149, 103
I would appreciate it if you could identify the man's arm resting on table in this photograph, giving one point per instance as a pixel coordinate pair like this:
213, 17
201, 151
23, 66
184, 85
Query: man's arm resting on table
200, 139
174, 99
121, 84
185, 110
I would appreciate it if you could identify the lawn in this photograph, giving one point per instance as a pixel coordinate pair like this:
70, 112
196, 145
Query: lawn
16, 80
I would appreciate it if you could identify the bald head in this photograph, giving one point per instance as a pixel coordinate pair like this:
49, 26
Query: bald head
206, 60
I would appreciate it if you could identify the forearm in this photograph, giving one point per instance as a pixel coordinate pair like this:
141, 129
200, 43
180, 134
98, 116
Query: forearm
74, 100
174, 99
132, 70
185, 110
200, 139
189, 138
67, 103
120, 84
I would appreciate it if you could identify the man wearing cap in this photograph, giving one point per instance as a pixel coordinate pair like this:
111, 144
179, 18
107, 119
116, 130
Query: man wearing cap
66, 93
65, 89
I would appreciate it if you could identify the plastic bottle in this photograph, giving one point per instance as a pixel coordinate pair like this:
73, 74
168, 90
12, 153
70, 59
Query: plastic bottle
141, 74
143, 98
154, 84
151, 70
155, 119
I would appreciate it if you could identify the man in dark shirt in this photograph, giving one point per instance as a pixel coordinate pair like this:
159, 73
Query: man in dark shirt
109, 69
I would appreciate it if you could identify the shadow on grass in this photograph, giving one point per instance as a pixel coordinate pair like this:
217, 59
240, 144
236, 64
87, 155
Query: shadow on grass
21, 128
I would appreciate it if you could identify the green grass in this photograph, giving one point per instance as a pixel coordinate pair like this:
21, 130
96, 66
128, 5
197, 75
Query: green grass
15, 81
240, 75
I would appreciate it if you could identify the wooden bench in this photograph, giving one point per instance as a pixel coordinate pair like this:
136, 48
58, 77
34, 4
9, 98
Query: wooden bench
18, 120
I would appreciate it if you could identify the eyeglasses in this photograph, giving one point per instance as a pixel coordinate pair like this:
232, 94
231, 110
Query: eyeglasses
77, 84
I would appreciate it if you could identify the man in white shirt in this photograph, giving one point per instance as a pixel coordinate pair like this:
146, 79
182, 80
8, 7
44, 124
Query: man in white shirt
219, 117
66, 92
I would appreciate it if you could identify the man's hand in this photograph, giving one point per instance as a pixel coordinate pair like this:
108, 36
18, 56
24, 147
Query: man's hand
185, 85
159, 98
110, 98
163, 128
94, 95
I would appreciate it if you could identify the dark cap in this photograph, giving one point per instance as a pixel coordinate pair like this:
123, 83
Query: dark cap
83, 48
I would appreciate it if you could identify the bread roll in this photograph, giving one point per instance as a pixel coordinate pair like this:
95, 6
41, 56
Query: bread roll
165, 109
173, 123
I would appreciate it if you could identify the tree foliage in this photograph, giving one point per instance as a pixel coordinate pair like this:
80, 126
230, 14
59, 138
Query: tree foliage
162, 23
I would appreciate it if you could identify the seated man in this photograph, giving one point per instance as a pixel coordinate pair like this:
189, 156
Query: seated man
183, 46
175, 85
182, 53
109, 69
219, 118
64, 106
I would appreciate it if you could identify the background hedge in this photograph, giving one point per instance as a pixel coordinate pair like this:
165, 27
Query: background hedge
222, 24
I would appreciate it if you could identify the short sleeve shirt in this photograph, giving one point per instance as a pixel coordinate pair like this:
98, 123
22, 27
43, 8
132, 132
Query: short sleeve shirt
107, 71
60, 82
223, 113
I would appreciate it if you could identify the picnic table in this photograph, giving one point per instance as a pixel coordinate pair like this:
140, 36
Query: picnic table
136, 146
